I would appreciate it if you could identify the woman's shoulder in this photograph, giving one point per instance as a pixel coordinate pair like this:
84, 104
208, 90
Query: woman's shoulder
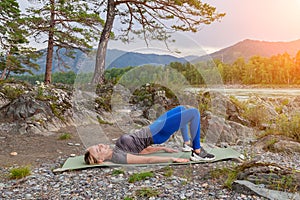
119, 156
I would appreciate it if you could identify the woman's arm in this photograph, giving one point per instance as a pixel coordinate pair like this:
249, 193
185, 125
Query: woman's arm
134, 159
151, 149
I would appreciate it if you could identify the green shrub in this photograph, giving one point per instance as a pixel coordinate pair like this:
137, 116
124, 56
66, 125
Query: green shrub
287, 126
65, 136
140, 176
11, 93
241, 105
19, 172
257, 115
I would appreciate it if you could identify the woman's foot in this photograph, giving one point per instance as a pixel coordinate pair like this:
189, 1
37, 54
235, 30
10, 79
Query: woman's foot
186, 148
202, 156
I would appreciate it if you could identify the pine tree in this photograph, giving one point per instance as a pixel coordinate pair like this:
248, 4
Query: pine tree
67, 25
15, 56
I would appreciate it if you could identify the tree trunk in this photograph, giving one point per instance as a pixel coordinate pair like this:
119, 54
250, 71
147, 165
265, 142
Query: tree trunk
50, 46
3, 74
98, 77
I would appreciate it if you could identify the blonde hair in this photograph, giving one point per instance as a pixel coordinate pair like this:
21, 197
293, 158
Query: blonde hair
89, 159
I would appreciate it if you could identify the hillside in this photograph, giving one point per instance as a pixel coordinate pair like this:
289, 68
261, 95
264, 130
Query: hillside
115, 58
249, 48
118, 59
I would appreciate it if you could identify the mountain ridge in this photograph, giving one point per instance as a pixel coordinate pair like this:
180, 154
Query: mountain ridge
248, 48
119, 59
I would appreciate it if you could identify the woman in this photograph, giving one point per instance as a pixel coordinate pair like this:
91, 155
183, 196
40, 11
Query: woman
129, 145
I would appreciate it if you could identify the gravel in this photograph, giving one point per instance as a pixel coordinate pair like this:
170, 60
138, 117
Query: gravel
185, 182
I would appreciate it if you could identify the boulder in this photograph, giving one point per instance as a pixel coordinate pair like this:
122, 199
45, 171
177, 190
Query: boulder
269, 176
277, 143
249, 188
38, 111
217, 130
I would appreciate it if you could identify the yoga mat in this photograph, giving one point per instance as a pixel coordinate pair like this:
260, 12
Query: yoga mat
77, 162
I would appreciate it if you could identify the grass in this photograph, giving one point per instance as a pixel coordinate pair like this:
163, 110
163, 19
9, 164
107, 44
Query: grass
57, 112
228, 175
147, 192
19, 172
239, 104
187, 174
128, 198
101, 121
288, 126
168, 171
117, 172
270, 144
11, 93
65, 136
140, 176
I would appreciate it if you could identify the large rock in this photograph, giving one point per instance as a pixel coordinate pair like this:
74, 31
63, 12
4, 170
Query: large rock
43, 110
269, 178
23, 107
249, 188
220, 105
217, 130
277, 143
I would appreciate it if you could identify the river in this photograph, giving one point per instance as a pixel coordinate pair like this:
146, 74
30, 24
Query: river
244, 93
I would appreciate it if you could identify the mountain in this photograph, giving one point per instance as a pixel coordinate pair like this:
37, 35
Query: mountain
114, 59
249, 48
118, 59
138, 59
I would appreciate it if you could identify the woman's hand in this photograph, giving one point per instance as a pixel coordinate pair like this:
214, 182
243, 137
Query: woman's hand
180, 160
169, 150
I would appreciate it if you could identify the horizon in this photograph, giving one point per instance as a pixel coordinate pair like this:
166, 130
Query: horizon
149, 50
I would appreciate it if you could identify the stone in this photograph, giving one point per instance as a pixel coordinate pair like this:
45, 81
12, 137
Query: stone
249, 188
278, 143
217, 130
28, 196
13, 153
287, 146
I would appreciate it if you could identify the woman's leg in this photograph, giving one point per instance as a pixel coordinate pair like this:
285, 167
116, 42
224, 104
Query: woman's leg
175, 119
158, 125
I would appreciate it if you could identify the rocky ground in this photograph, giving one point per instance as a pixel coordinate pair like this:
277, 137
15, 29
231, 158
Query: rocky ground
31, 125
45, 153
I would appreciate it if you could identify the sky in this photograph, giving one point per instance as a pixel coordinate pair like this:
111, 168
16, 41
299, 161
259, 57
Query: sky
266, 20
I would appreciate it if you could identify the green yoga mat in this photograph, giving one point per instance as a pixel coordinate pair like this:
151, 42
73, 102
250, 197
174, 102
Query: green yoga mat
77, 162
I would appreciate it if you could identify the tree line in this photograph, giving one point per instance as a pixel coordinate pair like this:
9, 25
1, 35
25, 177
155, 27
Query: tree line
278, 69
281, 69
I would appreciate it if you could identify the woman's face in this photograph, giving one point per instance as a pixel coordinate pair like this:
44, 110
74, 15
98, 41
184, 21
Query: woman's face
99, 152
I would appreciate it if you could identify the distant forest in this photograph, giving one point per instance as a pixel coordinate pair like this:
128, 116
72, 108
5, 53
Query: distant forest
276, 70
